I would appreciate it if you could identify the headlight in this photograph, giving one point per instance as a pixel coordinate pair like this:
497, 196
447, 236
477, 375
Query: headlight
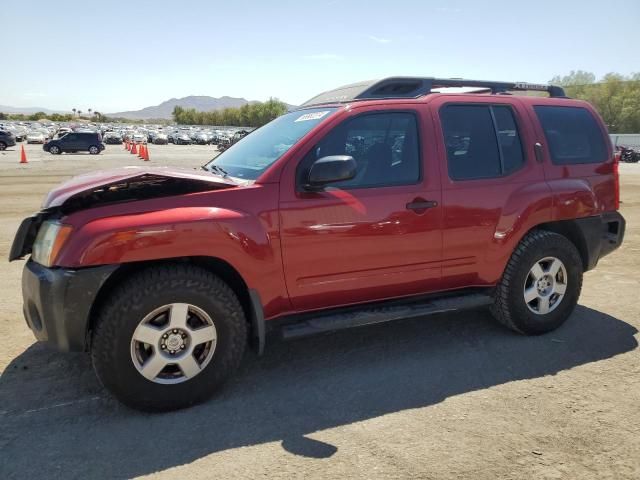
50, 239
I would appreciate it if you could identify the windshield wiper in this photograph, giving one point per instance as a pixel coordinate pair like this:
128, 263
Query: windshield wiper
219, 170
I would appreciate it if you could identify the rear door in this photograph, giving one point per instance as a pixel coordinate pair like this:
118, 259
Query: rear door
489, 171
576, 148
373, 237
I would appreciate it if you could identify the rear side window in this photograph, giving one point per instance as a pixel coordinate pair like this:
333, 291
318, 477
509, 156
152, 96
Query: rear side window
573, 135
482, 141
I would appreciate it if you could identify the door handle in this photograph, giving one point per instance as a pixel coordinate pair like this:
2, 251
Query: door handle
538, 149
420, 204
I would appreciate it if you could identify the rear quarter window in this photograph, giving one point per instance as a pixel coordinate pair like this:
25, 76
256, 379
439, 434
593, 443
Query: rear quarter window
573, 135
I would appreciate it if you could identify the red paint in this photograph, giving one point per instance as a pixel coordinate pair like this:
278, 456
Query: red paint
304, 251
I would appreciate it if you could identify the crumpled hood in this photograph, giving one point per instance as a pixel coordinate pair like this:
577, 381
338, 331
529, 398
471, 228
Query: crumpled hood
148, 182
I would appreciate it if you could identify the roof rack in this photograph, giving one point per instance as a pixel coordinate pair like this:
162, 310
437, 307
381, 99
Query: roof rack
414, 87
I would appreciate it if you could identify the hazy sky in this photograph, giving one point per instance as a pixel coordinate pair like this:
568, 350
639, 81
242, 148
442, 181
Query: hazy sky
124, 55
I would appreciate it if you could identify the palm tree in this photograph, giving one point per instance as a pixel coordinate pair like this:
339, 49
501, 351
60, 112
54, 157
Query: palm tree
79, 113
97, 114
89, 112
74, 111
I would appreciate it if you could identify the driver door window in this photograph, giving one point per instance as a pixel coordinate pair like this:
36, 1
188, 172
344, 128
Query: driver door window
384, 146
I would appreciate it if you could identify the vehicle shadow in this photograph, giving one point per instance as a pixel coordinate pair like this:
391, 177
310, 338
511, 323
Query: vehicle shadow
56, 418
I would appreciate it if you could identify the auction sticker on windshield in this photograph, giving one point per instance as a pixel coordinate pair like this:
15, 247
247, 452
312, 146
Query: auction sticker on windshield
312, 116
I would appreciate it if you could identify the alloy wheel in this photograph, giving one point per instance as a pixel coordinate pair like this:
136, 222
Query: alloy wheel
173, 343
545, 285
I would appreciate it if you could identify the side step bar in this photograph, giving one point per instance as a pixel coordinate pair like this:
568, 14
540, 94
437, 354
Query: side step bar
370, 315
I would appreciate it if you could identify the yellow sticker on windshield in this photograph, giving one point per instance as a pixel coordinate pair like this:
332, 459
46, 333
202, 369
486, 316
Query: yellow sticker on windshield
312, 116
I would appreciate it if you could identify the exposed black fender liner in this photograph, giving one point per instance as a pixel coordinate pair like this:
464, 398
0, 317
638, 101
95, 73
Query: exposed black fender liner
594, 236
602, 234
58, 301
258, 330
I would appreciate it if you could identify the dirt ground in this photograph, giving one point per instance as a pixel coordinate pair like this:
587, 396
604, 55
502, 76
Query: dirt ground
453, 396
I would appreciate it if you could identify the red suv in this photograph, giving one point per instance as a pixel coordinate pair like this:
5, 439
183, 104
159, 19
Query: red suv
373, 202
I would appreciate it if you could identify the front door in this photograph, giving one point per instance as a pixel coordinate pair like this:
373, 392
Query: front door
374, 237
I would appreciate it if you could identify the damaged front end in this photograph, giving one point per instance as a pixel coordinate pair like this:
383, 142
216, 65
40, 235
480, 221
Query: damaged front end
90, 191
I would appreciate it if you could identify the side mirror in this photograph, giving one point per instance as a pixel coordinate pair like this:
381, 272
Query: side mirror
330, 169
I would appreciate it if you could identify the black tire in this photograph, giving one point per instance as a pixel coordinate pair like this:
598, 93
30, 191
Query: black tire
94, 150
3, 146
132, 301
509, 306
55, 150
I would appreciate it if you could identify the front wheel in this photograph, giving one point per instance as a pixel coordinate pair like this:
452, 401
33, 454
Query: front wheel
54, 150
541, 284
168, 338
3, 146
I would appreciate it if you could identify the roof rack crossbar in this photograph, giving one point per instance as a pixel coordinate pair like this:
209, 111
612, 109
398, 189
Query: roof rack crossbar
413, 87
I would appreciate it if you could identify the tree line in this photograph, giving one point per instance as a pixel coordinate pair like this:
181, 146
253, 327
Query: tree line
615, 96
34, 117
71, 117
248, 115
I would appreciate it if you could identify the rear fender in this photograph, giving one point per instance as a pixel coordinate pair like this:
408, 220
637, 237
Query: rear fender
574, 198
527, 206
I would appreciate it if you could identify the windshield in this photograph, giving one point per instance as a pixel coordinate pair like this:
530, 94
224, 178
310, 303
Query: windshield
252, 155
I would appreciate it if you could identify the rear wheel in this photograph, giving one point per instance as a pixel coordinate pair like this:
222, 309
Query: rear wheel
93, 150
541, 284
168, 338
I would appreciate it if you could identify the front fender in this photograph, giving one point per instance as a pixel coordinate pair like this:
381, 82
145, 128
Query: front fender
236, 237
242, 230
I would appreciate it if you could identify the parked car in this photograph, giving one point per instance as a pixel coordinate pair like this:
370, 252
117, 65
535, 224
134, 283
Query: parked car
139, 139
63, 131
112, 138
323, 219
36, 137
20, 133
224, 142
182, 139
202, 139
7, 139
229, 141
160, 139
76, 142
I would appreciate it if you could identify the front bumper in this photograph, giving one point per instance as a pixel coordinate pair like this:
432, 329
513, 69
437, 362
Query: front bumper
58, 301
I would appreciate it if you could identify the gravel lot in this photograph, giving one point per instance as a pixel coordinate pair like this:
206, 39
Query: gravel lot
452, 396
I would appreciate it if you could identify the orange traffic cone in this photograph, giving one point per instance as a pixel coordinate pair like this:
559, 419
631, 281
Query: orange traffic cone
146, 154
141, 152
23, 155
134, 150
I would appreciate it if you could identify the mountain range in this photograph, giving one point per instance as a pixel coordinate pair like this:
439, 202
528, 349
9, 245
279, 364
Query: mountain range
163, 110
199, 102
28, 110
